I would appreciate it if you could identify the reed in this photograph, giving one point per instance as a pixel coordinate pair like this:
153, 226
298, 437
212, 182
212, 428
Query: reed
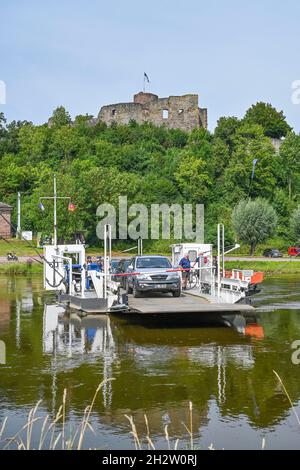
287, 395
51, 438
23, 439
138, 440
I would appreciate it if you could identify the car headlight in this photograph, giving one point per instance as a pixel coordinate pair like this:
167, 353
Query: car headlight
173, 277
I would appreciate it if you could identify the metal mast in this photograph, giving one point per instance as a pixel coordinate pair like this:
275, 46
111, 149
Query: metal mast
54, 198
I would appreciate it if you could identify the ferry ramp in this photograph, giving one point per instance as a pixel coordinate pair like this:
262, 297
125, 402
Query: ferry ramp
186, 304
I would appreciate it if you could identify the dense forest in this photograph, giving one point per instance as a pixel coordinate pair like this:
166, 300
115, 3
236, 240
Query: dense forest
96, 164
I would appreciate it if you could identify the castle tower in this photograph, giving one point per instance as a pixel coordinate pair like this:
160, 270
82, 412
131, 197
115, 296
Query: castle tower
144, 98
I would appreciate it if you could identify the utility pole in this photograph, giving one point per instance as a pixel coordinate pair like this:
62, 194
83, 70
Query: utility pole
54, 198
19, 217
55, 208
140, 246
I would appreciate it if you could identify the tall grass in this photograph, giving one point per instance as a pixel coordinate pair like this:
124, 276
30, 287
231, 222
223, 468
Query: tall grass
20, 269
287, 395
148, 441
52, 433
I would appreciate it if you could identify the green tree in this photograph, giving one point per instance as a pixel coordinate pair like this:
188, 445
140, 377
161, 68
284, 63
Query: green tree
193, 178
295, 224
96, 163
159, 190
33, 143
226, 129
83, 121
290, 164
250, 144
66, 144
2, 125
60, 117
11, 142
3, 132
273, 121
254, 222
283, 208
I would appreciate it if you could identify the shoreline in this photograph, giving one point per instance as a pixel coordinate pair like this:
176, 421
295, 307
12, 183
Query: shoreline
268, 267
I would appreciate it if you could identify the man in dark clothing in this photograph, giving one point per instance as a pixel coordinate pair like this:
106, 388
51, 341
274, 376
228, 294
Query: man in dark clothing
185, 265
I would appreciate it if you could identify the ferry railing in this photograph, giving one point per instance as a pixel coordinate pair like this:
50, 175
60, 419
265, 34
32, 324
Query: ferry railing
69, 261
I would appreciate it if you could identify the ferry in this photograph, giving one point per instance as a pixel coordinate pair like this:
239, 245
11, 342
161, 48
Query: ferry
94, 289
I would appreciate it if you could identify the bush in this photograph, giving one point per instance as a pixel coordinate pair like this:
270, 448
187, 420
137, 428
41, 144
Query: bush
254, 222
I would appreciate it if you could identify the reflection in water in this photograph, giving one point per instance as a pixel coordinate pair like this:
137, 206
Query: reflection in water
22, 300
67, 335
5, 312
227, 373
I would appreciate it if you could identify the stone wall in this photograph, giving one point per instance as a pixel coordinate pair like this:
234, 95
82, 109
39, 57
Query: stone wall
5, 228
175, 112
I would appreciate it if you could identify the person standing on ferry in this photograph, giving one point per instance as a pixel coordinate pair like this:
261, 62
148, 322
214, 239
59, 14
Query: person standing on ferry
185, 265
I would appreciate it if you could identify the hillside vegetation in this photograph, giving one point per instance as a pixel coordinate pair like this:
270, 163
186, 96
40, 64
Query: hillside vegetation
97, 164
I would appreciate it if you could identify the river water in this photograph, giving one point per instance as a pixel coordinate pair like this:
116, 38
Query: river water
227, 375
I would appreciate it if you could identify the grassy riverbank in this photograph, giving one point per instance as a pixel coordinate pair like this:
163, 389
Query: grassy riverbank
20, 268
27, 249
22, 249
19, 247
268, 267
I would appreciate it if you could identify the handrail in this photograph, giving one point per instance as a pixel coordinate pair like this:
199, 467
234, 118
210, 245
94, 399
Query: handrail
69, 260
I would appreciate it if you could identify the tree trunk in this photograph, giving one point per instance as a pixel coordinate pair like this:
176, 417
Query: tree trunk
252, 249
290, 188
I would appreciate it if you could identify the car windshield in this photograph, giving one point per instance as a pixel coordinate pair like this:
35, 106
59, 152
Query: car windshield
153, 263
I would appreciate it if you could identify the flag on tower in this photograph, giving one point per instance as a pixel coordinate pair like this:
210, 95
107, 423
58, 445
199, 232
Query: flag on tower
146, 77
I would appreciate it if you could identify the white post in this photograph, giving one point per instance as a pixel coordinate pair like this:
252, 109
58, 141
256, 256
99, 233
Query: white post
109, 241
105, 263
107, 256
70, 277
140, 246
219, 260
19, 216
83, 281
223, 251
54, 214
212, 277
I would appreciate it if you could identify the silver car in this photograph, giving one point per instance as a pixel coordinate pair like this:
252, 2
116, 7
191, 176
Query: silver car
152, 274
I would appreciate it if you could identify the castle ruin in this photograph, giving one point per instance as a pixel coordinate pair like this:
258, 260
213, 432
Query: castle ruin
175, 112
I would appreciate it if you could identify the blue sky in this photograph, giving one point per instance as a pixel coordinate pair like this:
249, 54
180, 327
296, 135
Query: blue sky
85, 54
